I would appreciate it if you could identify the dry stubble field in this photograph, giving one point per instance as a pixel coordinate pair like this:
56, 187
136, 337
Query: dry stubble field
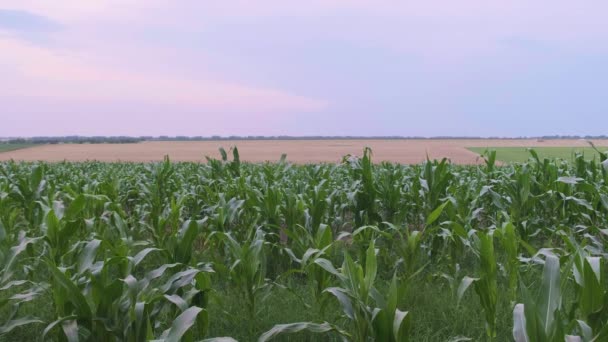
407, 151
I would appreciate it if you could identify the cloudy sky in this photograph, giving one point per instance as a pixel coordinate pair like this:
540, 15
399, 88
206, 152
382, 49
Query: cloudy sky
314, 67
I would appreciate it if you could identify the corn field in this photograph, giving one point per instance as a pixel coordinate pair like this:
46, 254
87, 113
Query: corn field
356, 251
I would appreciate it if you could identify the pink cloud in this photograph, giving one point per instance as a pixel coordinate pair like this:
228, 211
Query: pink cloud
44, 73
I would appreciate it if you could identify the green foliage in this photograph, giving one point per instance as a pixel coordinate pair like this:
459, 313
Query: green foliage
11, 146
247, 266
520, 154
372, 315
486, 285
181, 251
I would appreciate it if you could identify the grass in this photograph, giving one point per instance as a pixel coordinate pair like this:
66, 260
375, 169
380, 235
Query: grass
12, 147
521, 154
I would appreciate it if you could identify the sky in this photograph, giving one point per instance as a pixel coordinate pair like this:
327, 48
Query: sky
316, 67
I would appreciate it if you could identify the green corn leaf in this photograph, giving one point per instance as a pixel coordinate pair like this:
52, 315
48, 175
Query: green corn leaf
186, 237
464, 285
75, 208
292, 328
223, 154
436, 213
70, 329
401, 326
87, 256
550, 299
76, 297
12, 257
56, 323
13, 283
18, 322
519, 324
382, 324
139, 257
592, 293
586, 331
327, 265
570, 180
371, 267
182, 324
345, 302
178, 301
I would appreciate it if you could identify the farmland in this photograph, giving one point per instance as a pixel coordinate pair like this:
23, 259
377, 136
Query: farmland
12, 147
521, 154
408, 151
354, 250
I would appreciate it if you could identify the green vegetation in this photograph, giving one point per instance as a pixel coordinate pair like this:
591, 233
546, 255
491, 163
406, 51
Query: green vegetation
356, 251
521, 154
12, 147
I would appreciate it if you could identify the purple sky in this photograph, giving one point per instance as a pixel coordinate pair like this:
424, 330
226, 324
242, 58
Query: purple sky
315, 67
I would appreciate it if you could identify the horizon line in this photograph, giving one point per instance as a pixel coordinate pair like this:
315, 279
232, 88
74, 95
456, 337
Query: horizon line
286, 137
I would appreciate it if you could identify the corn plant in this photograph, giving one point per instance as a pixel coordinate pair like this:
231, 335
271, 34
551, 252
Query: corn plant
24, 290
248, 268
153, 251
540, 319
590, 289
312, 260
510, 244
93, 304
486, 284
371, 314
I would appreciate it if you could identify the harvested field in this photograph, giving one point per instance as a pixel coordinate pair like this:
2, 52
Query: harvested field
407, 151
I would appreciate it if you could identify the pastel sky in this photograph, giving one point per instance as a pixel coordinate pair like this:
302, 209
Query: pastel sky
314, 67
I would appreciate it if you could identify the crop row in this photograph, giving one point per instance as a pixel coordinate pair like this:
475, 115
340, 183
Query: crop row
135, 252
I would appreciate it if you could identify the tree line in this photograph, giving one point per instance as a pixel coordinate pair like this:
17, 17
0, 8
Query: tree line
74, 139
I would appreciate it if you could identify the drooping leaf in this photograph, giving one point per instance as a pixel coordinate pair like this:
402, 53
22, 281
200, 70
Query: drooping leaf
519, 324
401, 326
182, 324
345, 302
464, 285
17, 322
292, 328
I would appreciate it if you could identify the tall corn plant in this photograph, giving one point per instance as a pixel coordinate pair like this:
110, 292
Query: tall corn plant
603, 161
390, 187
408, 245
16, 292
510, 244
157, 192
26, 189
539, 320
218, 166
544, 317
486, 284
311, 258
590, 288
247, 270
91, 303
365, 206
372, 315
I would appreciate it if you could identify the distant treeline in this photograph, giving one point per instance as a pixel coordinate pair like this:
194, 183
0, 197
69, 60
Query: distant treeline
129, 139
73, 140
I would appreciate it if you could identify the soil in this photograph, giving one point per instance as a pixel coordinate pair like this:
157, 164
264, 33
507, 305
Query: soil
407, 151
